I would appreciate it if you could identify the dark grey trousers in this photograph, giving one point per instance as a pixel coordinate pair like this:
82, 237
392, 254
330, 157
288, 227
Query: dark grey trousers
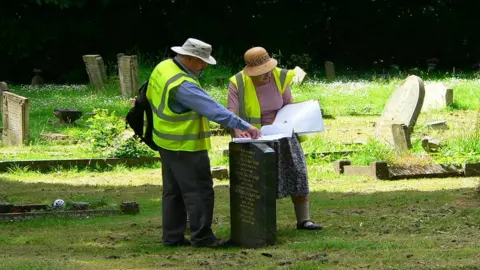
187, 188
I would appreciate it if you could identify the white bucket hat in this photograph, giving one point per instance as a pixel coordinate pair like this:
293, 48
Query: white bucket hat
196, 48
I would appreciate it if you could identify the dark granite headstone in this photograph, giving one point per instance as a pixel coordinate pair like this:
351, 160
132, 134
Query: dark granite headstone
253, 193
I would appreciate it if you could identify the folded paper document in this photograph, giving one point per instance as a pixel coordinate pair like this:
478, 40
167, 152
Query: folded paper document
301, 118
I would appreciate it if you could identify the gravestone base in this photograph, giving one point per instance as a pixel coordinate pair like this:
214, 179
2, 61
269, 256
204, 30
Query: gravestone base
253, 190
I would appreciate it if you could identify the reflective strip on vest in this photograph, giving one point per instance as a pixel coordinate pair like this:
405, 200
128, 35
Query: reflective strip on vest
161, 107
283, 77
184, 137
241, 96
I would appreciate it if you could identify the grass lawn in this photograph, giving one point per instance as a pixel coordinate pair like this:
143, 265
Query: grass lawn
414, 224
369, 224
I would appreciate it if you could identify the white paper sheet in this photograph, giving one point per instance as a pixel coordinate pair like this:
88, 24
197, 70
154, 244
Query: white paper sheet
301, 118
306, 117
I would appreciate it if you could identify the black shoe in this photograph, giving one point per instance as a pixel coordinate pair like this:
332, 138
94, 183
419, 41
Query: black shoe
312, 226
183, 243
218, 243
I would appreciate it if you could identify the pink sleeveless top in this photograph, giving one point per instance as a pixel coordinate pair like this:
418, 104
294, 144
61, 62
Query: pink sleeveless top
269, 98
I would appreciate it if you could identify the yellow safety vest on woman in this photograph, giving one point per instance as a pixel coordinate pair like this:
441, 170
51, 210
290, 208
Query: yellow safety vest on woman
249, 106
187, 131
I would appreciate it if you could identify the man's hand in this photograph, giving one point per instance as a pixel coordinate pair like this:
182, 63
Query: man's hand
253, 132
241, 134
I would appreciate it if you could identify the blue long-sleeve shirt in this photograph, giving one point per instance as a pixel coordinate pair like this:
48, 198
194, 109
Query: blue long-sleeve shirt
189, 96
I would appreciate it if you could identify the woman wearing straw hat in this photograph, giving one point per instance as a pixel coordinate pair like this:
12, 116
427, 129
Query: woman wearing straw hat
256, 94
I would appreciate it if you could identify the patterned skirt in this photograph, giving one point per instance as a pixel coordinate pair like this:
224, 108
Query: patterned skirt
292, 168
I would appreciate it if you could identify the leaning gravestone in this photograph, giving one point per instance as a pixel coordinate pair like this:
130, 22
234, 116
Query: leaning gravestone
95, 70
15, 119
330, 70
437, 96
403, 107
128, 73
299, 75
253, 189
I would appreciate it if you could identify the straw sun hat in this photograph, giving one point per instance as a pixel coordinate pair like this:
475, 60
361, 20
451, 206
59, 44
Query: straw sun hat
258, 62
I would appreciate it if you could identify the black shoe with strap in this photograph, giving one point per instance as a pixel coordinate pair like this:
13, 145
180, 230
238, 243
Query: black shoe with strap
312, 226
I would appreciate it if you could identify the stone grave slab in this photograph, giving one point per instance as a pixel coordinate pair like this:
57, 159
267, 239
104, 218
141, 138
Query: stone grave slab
403, 107
253, 189
299, 75
429, 171
128, 74
330, 70
437, 96
15, 117
96, 70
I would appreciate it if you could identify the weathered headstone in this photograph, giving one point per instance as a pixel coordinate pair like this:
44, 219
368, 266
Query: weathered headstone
403, 107
437, 96
253, 189
128, 74
299, 75
95, 70
15, 119
330, 70
3, 87
37, 79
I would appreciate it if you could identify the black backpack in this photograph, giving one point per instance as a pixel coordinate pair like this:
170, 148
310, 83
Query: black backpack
135, 119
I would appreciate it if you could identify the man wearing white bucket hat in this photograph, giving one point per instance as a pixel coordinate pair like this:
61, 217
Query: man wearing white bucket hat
181, 110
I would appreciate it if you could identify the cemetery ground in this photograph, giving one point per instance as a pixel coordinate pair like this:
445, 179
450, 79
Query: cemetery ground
405, 224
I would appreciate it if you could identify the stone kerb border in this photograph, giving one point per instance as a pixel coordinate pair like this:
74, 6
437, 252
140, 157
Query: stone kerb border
47, 165
382, 171
17, 212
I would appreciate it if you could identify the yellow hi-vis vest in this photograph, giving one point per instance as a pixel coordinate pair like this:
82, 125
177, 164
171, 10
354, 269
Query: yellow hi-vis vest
173, 131
249, 107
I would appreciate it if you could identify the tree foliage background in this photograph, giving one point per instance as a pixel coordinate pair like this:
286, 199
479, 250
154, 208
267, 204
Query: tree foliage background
361, 34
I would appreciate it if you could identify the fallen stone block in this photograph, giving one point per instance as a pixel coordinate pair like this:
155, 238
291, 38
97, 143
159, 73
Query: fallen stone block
131, 208
338, 165
471, 169
80, 205
220, 172
441, 125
